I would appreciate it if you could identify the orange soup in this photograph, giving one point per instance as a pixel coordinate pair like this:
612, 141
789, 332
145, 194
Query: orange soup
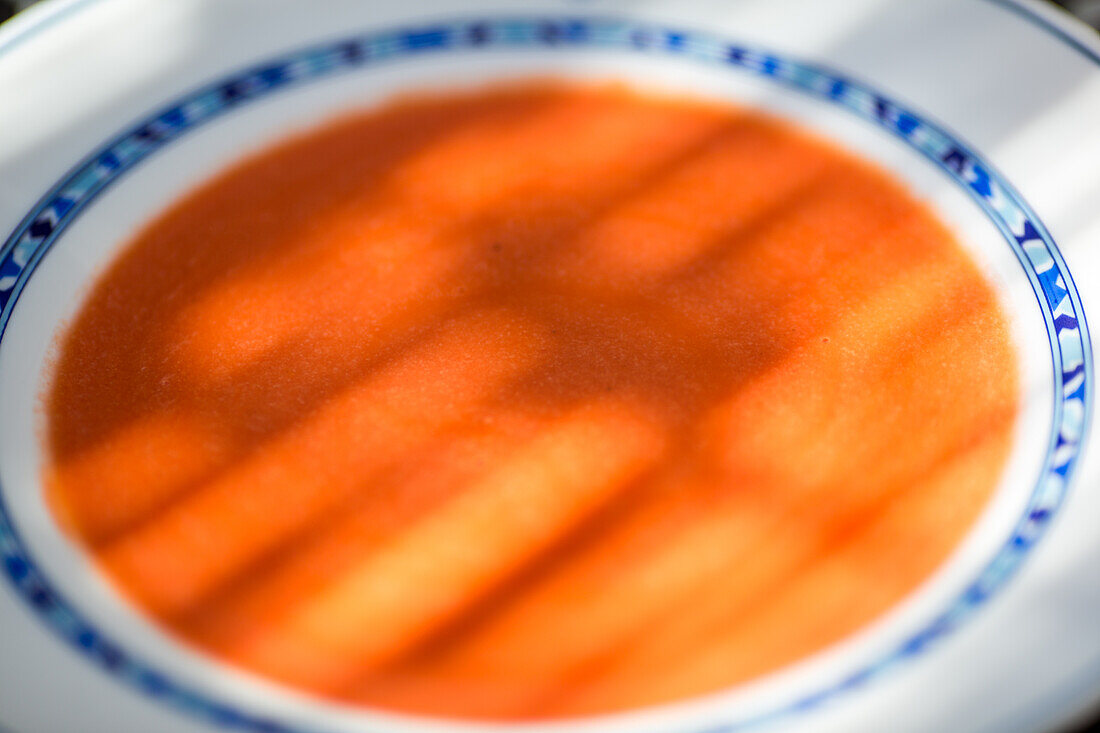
531, 402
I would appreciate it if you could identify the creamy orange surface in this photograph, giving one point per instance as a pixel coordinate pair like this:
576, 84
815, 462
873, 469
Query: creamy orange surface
531, 402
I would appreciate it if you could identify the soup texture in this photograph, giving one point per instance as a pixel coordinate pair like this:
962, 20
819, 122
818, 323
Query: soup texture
529, 402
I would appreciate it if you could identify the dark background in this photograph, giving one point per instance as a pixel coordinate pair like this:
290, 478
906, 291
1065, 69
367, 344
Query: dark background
1086, 10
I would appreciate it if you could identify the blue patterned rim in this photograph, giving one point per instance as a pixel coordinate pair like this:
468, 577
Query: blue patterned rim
1054, 289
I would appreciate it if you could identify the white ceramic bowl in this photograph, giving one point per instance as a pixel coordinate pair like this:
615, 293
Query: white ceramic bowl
988, 109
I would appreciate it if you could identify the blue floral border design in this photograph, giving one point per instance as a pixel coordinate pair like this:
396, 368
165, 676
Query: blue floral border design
1057, 297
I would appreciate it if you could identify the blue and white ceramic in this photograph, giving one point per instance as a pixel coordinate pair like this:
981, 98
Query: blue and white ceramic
987, 109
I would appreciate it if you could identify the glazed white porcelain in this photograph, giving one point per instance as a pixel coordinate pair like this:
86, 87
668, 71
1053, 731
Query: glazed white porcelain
111, 109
